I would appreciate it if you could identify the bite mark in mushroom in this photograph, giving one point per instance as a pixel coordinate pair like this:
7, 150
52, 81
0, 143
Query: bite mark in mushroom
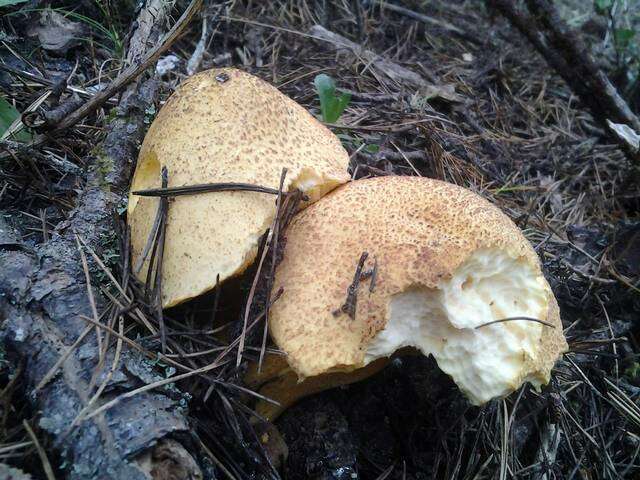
449, 262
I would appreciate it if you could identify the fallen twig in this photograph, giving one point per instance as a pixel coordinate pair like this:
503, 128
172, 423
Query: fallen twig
74, 111
351, 303
568, 55
45, 314
204, 188
395, 72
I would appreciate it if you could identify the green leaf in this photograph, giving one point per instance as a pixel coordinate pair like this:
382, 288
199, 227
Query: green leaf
331, 105
633, 371
602, 6
372, 148
6, 3
623, 36
8, 115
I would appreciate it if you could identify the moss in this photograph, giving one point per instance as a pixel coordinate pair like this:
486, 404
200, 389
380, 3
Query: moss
103, 168
111, 116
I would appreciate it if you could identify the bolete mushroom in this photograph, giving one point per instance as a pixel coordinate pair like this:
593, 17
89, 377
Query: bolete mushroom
447, 273
225, 126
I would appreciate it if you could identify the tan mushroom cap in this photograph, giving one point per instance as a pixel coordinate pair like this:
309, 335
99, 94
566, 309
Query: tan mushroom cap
224, 125
447, 260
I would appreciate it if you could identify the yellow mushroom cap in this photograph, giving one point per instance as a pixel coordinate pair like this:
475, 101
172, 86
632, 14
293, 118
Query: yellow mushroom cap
224, 125
447, 260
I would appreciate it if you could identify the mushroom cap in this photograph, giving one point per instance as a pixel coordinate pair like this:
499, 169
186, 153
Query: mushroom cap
447, 261
224, 125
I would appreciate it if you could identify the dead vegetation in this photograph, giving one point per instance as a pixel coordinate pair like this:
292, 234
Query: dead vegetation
480, 109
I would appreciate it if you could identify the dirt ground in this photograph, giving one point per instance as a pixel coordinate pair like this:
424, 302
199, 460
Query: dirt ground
491, 116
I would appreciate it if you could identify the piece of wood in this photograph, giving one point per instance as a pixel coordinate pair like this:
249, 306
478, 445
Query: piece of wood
43, 297
392, 70
565, 52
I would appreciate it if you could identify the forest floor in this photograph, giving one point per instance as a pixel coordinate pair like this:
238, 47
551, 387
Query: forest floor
482, 110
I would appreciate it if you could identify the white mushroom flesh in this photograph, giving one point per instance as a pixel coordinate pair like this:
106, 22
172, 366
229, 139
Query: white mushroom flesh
485, 362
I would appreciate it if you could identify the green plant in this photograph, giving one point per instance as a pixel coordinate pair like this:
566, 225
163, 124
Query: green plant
7, 3
353, 142
602, 6
8, 114
622, 28
633, 372
110, 31
331, 104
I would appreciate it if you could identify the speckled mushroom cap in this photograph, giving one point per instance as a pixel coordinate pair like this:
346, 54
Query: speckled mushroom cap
224, 125
448, 262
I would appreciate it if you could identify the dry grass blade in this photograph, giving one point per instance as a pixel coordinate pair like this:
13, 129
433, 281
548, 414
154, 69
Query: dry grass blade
406, 159
256, 278
385, 474
215, 364
46, 465
511, 319
504, 449
106, 270
273, 245
214, 459
92, 300
154, 385
105, 382
56, 366
627, 407
13, 447
131, 343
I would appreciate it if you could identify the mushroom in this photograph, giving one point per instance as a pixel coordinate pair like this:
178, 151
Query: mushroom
223, 126
447, 273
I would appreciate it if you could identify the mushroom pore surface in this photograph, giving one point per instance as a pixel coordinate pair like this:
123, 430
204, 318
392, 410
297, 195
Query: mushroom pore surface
448, 262
223, 126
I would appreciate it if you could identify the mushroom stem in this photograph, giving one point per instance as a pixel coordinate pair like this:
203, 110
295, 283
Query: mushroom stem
278, 382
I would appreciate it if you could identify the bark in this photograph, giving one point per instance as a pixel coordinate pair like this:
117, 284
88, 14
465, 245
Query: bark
43, 293
567, 54
43, 296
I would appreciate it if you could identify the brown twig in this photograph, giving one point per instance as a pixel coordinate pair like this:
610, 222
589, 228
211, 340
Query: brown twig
54, 369
130, 73
351, 303
204, 188
565, 52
